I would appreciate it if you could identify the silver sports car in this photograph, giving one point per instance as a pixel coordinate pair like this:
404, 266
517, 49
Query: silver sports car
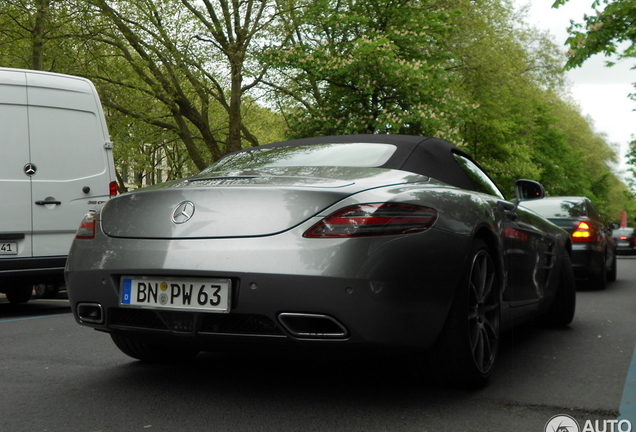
393, 242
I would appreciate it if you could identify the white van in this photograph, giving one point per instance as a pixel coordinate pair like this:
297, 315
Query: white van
56, 163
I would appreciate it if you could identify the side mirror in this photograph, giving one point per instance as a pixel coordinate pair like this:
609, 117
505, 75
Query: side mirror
528, 190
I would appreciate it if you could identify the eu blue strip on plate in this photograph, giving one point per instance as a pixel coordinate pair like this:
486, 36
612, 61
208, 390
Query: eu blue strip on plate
126, 291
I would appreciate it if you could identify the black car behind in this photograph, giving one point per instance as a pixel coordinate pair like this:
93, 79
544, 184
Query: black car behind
625, 239
593, 248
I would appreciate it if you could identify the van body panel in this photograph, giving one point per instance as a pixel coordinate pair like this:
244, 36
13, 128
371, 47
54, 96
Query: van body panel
77, 145
54, 124
15, 186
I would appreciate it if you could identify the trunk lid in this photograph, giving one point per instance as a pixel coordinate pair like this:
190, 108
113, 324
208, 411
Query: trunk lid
239, 204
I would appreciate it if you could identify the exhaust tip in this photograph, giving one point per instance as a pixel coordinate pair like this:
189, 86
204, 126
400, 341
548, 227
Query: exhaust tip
312, 326
92, 313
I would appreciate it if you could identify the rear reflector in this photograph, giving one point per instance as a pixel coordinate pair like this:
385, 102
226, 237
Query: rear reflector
112, 187
374, 220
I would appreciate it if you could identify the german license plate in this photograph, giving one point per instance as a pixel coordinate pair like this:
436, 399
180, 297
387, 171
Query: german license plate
8, 248
212, 295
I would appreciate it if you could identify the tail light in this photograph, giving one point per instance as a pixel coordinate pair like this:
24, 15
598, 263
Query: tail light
583, 233
112, 188
374, 220
86, 230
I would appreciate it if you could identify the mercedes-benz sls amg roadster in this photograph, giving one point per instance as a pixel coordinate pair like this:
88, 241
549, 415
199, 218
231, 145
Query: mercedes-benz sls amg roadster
392, 242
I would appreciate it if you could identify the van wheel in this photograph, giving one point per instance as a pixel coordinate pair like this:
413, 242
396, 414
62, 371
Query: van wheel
151, 353
46, 291
19, 293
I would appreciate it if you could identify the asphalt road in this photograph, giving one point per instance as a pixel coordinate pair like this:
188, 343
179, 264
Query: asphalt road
58, 376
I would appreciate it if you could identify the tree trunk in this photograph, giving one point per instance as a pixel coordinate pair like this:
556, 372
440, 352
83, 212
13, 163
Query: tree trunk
38, 33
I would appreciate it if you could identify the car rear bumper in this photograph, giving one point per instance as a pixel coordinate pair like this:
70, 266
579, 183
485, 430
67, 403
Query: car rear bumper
362, 292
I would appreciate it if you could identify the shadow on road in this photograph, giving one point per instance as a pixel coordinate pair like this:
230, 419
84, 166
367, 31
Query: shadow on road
34, 307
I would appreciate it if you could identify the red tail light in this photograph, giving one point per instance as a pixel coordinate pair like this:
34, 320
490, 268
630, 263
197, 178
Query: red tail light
86, 230
583, 233
374, 220
112, 187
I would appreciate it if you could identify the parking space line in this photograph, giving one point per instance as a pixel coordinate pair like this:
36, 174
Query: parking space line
628, 402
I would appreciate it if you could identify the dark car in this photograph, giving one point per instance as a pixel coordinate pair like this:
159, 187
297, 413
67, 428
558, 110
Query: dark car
625, 239
593, 248
397, 243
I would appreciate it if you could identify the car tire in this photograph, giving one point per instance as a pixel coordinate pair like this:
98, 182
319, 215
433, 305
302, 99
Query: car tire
150, 353
599, 281
561, 312
19, 293
467, 348
611, 275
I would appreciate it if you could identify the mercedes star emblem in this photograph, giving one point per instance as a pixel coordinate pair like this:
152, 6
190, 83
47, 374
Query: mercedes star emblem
30, 169
183, 212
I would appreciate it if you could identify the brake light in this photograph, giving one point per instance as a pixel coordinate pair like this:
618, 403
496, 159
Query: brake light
86, 230
622, 238
112, 188
583, 233
374, 220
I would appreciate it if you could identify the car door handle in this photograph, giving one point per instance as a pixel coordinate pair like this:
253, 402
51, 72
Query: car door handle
47, 202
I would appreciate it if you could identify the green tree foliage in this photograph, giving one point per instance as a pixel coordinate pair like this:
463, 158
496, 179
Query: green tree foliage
184, 82
603, 32
611, 31
367, 67
523, 125
41, 34
166, 46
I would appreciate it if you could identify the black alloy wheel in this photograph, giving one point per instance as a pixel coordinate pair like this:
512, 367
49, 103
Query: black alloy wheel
483, 315
466, 350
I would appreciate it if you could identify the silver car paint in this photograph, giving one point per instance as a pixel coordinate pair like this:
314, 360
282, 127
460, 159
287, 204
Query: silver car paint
391, 291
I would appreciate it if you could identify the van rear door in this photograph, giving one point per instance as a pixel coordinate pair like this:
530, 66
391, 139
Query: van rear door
15, 185
70, 149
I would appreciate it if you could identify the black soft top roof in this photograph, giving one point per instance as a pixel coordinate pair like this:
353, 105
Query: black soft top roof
432, 157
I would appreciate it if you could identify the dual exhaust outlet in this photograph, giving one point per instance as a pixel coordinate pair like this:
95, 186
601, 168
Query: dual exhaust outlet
299, 325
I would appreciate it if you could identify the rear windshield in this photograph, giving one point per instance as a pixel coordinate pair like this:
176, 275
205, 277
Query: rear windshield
558, 209
623, 232
316, 155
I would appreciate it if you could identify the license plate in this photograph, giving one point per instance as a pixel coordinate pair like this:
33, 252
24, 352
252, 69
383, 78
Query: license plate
212, 295
8, 248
